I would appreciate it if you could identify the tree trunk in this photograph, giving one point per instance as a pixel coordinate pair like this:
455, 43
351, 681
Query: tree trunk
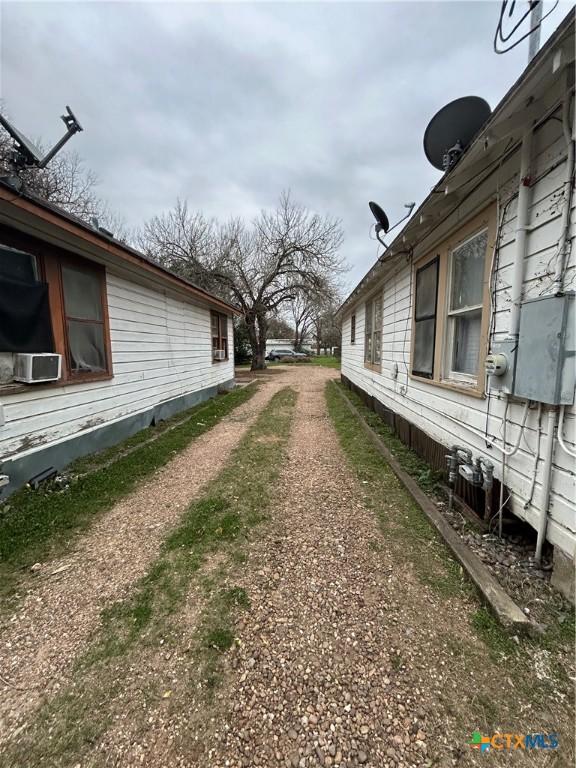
257, 331
297, 342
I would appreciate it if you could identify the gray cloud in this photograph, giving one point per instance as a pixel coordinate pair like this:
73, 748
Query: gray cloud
227, 104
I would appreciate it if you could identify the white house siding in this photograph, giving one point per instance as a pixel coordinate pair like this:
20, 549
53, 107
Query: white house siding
449, 416
161, 350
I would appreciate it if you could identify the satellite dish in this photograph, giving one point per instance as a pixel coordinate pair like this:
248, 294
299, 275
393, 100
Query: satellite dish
380, 216
26, 154
452, 129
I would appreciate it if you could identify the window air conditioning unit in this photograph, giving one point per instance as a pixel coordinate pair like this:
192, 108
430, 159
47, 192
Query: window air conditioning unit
37, 367
219, 354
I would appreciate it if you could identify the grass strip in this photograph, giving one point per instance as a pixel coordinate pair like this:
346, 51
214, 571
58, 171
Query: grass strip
215, 525
427, 478
35, 525
405, 524
400, 518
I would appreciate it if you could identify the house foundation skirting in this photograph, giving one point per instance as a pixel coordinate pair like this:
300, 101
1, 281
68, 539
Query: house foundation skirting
21, 469
428, 449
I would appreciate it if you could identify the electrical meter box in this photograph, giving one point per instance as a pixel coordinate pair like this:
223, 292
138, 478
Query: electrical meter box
502, 381
545, 358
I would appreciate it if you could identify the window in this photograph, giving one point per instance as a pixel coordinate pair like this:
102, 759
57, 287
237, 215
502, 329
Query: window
464, 324
353, 329
425, 319
373, 333
66, 296
84, 320
450, 302
219, 335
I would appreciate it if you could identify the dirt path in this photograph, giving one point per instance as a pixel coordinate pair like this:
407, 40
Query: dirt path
41, 640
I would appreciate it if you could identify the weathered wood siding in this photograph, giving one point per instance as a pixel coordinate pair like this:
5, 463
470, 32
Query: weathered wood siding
161, 350
455, 417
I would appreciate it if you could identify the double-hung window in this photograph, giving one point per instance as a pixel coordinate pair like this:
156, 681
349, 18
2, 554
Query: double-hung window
373, 332
464, 315
450, 314
219, 324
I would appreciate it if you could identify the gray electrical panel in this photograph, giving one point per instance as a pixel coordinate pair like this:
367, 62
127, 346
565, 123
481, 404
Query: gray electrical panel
545, 368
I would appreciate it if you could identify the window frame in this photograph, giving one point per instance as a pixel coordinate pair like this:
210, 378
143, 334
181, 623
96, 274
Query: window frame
371, 302
49, 260
449, 373
442, 376
353, 328
100, 272
219, 316
434, 261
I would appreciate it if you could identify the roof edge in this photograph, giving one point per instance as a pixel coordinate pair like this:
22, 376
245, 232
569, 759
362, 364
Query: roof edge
55, 215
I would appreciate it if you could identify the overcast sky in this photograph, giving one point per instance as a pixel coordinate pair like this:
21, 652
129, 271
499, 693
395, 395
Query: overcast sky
226, 104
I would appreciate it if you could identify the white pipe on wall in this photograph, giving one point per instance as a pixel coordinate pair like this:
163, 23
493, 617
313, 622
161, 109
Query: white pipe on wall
524, 198
546, 483
561, 436
563, 244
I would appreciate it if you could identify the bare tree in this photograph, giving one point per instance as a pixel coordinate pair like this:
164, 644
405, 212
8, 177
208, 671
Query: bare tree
184, 242
288, 252
283, 254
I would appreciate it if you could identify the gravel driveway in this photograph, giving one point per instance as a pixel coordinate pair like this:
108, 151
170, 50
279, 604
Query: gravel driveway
38, 644
344, 658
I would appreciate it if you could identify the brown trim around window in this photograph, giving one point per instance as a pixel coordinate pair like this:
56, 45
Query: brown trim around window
50, 261
99, 272
219, 334
486, 220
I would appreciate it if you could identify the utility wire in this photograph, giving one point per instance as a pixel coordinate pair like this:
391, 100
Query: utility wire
499, 35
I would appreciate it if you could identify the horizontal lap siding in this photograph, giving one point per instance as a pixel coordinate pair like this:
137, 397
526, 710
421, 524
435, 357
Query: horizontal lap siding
161, 350
430, 407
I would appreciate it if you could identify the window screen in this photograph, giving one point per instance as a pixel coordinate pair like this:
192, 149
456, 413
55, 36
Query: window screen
219, 325
465, 309
373, 331
425, 319
84, 315
353, 329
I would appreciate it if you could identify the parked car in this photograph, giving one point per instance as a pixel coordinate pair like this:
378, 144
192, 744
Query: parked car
280, 352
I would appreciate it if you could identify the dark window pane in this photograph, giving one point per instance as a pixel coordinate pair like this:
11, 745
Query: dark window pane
224, 326
17, 265
82, 294
215, 324
468, 272
87, 351
426, 281
424, 346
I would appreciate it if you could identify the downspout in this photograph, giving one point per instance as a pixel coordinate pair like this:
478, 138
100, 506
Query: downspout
564, 243
546, 483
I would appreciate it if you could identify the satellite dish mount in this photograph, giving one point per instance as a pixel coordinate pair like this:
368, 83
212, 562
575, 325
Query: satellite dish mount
382, 223
26, 154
